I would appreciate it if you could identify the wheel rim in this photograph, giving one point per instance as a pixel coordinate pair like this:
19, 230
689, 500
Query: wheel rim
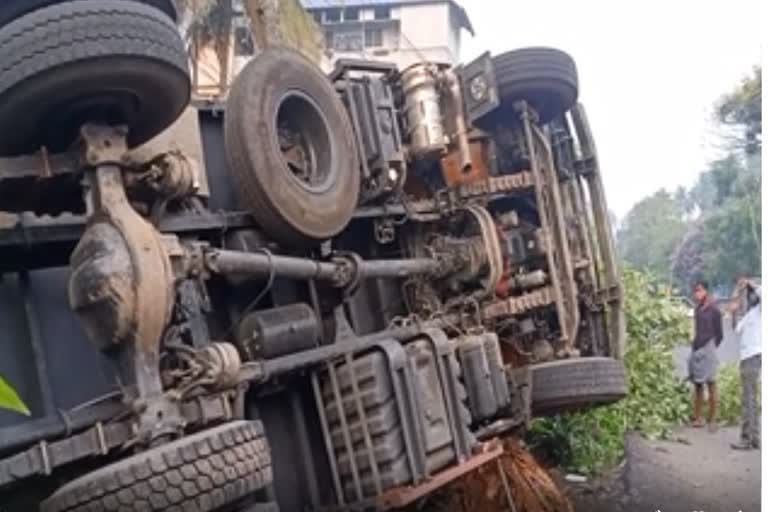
303, 137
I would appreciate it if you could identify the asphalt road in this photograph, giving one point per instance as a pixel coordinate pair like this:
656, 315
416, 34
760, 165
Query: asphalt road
697, 472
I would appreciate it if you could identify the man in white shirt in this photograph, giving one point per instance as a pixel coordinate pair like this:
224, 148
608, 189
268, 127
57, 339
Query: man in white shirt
748, 329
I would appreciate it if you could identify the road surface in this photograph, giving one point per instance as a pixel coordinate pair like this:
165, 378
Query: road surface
698, 472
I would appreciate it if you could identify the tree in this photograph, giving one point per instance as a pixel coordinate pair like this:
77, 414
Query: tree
651, 231
690, 259
724, 239
209, 25
712, 231
741, 109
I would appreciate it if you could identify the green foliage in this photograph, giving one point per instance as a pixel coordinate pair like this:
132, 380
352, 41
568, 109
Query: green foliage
585, 442
593, 440
10, 400
729, 387
725, 240
729, 384
651, 231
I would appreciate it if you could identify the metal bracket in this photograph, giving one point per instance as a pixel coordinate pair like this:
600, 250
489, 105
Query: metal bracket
481, 94
103, 145
384, 230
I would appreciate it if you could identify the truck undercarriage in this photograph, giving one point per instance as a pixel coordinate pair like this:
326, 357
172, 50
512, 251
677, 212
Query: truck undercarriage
337, 298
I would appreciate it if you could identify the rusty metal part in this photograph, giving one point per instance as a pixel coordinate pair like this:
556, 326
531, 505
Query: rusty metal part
552, 224
384, 230
340, 271
223, 364
104, 438
121, 285
564, 254
103, 144
403, 496
493, 251
422, 110
121, 279
456, 175
521, 304
459, 137
471, 252
498, 184
178, 175
158, 418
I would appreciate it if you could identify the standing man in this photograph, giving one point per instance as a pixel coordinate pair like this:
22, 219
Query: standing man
702, 365
751, 360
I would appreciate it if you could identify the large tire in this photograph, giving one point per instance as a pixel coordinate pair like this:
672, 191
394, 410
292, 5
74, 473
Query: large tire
111, 61
12, 9
573, 384
199, 473
313, 199
544, 77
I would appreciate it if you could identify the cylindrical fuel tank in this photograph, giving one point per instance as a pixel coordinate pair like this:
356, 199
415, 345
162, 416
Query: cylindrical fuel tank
278, 332
422, 110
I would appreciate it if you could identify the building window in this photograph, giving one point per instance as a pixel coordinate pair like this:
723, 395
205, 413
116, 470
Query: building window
382, 13
352, 14
333, 16
348, 41
374, 38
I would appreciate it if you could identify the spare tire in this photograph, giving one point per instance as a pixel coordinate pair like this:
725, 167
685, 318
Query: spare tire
111, 61
291, 149
544, 77
573, 384
202, 472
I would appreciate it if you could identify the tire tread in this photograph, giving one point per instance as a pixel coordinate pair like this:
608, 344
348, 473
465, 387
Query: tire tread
144, 479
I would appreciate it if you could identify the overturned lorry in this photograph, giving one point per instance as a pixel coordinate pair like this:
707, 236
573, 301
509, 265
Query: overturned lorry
329, 293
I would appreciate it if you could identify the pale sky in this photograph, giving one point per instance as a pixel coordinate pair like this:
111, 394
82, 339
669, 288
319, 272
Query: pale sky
649, 73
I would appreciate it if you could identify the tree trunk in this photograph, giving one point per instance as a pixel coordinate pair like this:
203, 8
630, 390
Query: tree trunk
266, 22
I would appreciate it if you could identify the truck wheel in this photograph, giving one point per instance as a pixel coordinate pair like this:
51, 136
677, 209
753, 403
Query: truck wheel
544, 77
291, 149
201, 472
12, 9
112, 61
572, 384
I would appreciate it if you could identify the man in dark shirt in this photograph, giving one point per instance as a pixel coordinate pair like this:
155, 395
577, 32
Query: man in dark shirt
702, 365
